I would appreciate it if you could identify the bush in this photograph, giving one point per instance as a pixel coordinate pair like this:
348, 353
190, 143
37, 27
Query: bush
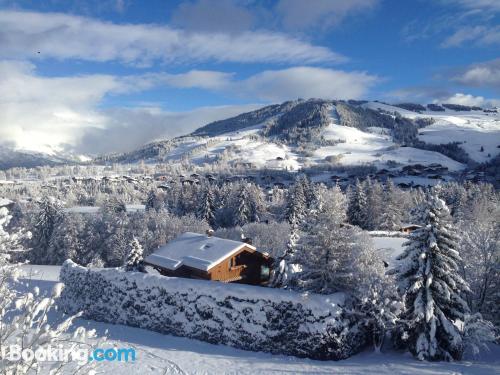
242, 316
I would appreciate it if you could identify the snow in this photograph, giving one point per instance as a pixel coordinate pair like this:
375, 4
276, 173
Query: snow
359, 147
471, 128
194, 250
389, 248
5, 202
472, 133
165, 354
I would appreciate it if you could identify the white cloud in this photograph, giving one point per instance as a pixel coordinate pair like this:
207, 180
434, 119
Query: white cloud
61, 36
470, 100
128, 128
37, 113
485, 74
485, 5
305, 82
318, 14
479, 35
55, 113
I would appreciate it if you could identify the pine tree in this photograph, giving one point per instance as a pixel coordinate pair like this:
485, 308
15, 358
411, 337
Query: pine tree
65, 242
243, 212
296, 205
154, 201
134, 261
428, 277
391, 211
206, 210
284, 267
357, 212
47, 219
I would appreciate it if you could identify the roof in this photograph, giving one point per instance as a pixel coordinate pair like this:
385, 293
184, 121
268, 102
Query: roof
4, 202
195, 250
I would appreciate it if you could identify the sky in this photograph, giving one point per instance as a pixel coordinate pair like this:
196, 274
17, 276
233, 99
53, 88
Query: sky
101, 76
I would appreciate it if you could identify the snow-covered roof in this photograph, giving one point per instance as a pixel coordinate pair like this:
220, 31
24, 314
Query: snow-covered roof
4, 202
194, 250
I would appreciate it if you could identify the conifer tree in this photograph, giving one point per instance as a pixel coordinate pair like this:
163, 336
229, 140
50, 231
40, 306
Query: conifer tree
206, 210
357, 213
391, 211
47, 219
134, 261
243, 212
429, 280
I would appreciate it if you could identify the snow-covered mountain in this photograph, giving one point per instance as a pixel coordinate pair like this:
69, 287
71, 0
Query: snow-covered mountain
312, 133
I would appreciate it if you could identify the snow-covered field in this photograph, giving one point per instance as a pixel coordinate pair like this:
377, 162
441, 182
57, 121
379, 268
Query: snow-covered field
164, 354
359, 147
474, 129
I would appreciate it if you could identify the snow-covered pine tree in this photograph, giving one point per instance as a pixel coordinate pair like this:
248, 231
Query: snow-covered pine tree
154, 201
47, 219
296, 203
134, 261
357, 212
114, 205
391, 209
65, 242
243, 212
428, 276
284, 267
206, 209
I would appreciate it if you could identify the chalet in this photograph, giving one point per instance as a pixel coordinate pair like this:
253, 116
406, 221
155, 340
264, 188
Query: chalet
7, 203
199, 256
409, 228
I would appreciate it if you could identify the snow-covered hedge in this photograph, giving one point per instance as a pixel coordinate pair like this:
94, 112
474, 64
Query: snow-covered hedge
243, 316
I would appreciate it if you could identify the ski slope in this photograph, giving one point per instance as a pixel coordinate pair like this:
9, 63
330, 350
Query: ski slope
358, 147
473, 129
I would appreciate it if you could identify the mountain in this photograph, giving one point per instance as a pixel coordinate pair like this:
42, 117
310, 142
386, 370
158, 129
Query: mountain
321, 134
10, 158
318, 133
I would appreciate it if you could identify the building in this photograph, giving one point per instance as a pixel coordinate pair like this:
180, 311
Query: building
7, 203
200, 256
409, 228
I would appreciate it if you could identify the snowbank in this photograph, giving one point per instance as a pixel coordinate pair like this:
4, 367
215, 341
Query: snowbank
242, 316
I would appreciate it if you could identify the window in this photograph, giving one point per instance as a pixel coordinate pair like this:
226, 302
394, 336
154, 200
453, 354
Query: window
264, 272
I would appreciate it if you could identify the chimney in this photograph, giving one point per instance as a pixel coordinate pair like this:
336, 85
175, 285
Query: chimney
210, 232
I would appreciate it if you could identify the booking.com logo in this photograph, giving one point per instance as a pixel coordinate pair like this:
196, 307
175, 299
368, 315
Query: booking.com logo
60, 353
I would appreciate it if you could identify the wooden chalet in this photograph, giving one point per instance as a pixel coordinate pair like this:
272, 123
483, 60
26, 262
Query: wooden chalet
409, 228
203, 256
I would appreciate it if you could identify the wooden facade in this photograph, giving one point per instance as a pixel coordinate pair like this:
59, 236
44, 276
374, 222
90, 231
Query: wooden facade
246, 266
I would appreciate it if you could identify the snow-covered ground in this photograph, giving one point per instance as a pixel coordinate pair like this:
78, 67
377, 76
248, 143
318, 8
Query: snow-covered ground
243, 146
388, 247
473, 129
164, 354
359, 147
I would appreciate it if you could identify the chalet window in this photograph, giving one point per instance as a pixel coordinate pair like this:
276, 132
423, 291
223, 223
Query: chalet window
264, 272
232, 263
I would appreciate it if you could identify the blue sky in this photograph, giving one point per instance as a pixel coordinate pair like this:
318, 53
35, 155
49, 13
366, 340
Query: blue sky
109, 75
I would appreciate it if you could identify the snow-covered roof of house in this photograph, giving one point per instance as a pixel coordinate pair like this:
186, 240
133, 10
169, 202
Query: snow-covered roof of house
4, 202
195, 250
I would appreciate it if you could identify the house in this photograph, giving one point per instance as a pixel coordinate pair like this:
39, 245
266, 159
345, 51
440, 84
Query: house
408, 228
7, 203
203, 256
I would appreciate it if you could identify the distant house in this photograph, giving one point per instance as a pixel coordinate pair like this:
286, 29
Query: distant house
7, 203
202, 256
409, 228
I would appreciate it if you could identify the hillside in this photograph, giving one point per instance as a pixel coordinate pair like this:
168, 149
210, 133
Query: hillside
316, 133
